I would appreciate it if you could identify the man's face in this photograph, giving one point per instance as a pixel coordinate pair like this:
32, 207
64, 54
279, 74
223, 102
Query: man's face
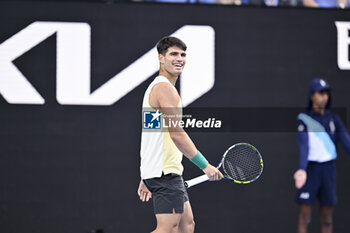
320, 99
173, 61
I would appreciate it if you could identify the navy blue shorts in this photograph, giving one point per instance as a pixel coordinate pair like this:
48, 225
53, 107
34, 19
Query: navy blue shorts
320, 183
168, 193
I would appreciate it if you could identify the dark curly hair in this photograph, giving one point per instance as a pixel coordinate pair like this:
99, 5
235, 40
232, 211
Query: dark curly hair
169, 41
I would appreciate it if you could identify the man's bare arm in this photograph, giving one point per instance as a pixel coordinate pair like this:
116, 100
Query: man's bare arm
165, 98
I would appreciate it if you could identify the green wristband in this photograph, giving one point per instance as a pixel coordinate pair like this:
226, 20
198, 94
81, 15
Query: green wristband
199, 160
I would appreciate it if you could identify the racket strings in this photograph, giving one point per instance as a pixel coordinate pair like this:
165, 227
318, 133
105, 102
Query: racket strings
242, 163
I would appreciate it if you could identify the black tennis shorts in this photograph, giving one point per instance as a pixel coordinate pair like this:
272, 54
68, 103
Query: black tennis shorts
168, 193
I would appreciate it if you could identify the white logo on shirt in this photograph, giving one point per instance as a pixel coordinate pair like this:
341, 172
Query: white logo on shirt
332, 126
301, 128
305, 195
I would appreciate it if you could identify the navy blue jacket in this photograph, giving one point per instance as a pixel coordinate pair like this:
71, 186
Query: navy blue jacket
333, 126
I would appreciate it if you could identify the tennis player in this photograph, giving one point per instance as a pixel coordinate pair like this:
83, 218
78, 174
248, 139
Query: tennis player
319, 130
162, 151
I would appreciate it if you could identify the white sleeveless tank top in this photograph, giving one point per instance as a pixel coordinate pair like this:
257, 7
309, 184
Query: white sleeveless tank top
158, 152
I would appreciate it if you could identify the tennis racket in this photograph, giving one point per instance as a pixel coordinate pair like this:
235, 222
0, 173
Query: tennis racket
241, 163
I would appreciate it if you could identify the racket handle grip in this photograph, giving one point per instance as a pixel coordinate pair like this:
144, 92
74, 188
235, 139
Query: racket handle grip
195, 181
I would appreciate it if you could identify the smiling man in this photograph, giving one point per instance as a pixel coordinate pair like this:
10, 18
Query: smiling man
162, 150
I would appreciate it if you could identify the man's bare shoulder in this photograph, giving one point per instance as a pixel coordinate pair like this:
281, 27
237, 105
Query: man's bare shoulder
164, 87
165, 94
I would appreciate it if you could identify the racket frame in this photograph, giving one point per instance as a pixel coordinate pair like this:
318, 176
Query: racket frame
238, 181
203, 178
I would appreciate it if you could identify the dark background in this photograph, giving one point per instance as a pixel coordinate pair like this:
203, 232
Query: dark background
70, 169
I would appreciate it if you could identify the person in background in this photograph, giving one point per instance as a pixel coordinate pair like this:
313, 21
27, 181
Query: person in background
222, 2
326, 3
319, 130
